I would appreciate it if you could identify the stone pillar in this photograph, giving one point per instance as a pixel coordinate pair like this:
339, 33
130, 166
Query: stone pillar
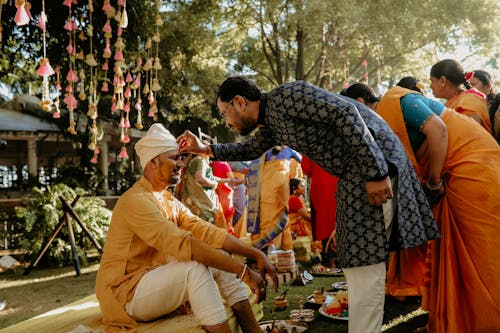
103, 158
32, 159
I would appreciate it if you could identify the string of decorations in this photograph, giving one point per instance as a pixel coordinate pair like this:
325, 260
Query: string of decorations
71, 76
45, 70
365, 65
93, 99
83, 80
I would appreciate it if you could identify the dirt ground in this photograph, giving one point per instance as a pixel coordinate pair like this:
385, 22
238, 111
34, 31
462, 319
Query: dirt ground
42, 290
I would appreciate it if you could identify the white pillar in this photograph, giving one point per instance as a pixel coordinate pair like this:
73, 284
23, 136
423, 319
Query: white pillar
103, 158
32, 159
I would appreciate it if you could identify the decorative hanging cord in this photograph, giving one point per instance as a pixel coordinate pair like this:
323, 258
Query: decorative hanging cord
45, 70
71, 77
93, 98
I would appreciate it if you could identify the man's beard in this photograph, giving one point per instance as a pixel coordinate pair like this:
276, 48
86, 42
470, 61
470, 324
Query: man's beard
247, 129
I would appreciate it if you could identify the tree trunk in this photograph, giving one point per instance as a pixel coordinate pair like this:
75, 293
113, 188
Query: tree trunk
299, 69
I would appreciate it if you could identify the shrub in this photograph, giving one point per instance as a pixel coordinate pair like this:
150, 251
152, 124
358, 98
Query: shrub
41, 213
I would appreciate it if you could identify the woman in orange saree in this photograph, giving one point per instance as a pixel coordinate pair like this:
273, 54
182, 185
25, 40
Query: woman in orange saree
268, 193
459, 164
449, 81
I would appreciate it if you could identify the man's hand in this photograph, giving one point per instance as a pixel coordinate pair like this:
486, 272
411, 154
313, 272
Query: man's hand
189, 143
265, 267
379, 191
256, 283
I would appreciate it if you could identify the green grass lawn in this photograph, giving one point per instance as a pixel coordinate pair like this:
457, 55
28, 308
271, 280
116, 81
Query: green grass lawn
399, 316
45, 289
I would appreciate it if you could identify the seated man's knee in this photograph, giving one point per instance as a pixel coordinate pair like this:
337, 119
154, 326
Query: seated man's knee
232, 289
197, 274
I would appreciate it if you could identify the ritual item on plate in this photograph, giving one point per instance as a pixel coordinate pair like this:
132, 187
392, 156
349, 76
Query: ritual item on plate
337, 305
319, 296
305, 315
280, 301
341, 295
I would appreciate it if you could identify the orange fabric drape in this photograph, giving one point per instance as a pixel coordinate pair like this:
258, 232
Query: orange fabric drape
464, 294
406, 268
405, 272
464, 290
274, 194
471, 102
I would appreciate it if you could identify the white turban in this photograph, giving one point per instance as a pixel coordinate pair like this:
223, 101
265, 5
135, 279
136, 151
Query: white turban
157, 140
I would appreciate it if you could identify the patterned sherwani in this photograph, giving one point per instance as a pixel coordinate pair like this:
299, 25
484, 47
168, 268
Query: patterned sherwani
353, 143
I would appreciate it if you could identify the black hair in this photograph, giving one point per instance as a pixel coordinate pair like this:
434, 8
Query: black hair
409, 82
493, 99
238, 85
451, 70
485, 78
294, 184
362, 90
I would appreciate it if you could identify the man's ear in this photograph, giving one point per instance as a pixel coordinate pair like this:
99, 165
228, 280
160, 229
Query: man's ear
361, 100
239, 100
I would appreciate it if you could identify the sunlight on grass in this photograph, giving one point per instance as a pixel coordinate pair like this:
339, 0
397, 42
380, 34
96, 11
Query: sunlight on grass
64, 309
8, 311
402, 319
4, 284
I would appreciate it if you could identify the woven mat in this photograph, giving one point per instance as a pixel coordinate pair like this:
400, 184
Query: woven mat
85, 316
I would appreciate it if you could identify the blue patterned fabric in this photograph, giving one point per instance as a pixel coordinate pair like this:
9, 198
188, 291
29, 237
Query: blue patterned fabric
416, 110
353, 143
253, 203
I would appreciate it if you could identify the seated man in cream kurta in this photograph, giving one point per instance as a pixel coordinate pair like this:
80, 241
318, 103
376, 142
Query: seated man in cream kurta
158, 255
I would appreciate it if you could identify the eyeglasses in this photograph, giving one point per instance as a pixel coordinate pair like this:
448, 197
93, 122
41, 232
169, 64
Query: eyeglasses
223, 113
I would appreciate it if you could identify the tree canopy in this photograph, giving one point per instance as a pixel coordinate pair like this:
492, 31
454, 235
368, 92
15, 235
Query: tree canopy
329, 43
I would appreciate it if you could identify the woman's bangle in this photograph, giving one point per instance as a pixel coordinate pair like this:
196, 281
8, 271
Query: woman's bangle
434, 187
242, 275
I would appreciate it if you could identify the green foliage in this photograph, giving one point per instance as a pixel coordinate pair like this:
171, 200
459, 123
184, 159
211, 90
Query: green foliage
275, 41
326, 42
41, 214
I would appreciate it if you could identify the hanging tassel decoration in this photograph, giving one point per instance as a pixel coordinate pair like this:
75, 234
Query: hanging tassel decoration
124, 19
365, 64
42, 20
22, 17
123, 153
45, 69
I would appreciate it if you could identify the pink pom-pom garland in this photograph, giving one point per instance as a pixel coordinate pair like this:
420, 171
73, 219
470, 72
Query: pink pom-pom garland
45, 69
123, 153
22, 17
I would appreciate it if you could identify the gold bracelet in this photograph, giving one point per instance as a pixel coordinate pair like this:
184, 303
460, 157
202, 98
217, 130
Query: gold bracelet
242, 275
435, 187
